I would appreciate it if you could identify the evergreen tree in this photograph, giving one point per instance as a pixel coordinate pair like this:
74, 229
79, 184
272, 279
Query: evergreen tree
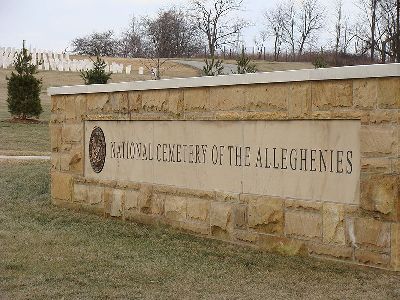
243, 64
98, 74
23, 88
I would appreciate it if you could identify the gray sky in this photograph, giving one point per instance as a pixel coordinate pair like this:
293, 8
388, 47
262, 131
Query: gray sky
52, 24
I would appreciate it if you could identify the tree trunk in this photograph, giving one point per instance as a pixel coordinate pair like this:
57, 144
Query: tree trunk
373, 28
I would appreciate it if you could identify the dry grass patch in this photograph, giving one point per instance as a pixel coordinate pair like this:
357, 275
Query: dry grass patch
51, 253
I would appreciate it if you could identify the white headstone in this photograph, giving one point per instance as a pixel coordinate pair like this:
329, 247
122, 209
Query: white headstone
141, 70
128, 69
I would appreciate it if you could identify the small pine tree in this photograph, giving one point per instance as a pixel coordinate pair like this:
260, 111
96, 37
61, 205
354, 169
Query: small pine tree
244, 66
23, 88
98, 74
320, 62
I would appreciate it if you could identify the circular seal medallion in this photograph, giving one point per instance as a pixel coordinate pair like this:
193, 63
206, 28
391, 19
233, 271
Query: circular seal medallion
97, 149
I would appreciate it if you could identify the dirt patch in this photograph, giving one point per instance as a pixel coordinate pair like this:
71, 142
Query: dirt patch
24, 121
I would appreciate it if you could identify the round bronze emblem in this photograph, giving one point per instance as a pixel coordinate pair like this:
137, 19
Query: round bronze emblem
97, 149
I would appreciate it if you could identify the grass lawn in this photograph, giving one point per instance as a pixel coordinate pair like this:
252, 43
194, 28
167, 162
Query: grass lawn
51, 253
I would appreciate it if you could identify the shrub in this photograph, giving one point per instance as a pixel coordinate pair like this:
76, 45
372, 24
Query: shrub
320, 62
23, 88
244, 66
98, 74
213, 67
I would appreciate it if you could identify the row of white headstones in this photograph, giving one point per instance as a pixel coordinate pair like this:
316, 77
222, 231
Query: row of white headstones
48, 60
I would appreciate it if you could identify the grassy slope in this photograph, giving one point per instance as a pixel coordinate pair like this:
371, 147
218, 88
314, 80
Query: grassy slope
49, 253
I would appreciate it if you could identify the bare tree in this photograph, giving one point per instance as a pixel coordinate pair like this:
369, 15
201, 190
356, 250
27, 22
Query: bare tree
215, 19
131, 41
343, 33
311, 19
368, 25
389, 12
96, 44
275, 27
338, 25
289, 25
171, 34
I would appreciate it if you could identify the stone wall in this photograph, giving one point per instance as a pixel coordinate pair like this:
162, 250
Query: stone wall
368, 233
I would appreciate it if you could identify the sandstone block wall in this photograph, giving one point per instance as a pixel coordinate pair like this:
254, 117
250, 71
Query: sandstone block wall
368, 233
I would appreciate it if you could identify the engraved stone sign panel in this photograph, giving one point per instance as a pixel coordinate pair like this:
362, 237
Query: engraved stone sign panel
304, 159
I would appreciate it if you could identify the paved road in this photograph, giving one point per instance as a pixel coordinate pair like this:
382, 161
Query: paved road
228, 68
7, 157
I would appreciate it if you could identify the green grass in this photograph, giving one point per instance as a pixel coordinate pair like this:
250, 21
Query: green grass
51, 253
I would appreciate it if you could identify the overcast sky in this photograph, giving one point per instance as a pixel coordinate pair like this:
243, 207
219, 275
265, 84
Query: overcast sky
52, 24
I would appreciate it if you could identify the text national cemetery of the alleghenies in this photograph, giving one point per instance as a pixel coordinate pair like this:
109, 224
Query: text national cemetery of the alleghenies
271, 157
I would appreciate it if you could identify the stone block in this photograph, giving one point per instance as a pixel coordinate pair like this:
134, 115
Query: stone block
144, 198
96, 102
337, 252
72, 161
395, 246
114, 201
76, 160
239, 216
245, 236
378, 140
117, 102
300, 104
303, 224
376, 165
272, 96
332, 94
265, 214
227, 98
372, 258
383, 117
281, 245
196, 227
80, 106
61, 186
365, 93
198, 209
389, 93
131, 199
303, 204
380, 193
72, 133
371, 233
157, 204
95, 195
80, 193
163, 101
196, 99
221, 215
333, 224
395, 163
57, 103
56, 161
175, 208
55, 137
135, 101
70, 108
175, 101
226, 197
